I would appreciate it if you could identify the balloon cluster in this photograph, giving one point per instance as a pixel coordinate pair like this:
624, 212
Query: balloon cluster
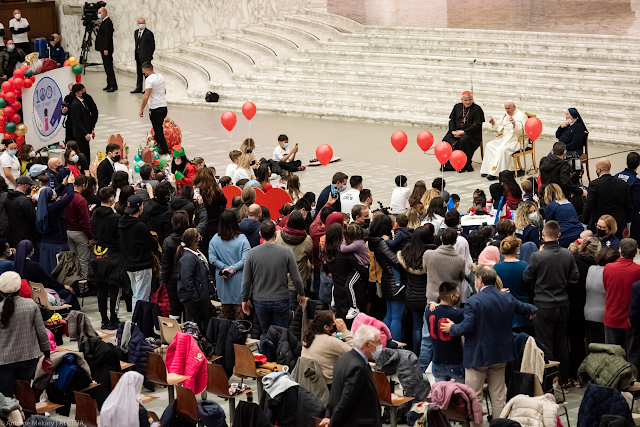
229, 118
442, 151
76, 68
11, 91
137, 160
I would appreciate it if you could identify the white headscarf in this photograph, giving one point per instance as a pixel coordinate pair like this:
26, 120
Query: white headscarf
121, 408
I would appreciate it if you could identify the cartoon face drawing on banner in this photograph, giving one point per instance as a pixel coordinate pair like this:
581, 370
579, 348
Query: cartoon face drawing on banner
47, 106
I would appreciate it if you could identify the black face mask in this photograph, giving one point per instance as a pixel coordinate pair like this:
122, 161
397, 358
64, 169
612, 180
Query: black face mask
367, 222
116, 159
333, 330
601, 233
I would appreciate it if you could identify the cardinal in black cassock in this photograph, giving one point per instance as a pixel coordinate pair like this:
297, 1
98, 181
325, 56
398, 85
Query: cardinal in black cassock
465, 129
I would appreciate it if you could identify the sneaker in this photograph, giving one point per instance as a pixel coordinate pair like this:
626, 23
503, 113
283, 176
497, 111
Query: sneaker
113, 325
352, 313
301, 168
105, 325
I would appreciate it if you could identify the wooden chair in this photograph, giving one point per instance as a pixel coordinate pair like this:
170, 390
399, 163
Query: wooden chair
186, 404
115, 377
246, 366
168, 329
527, 146
218, 384
86, 410
26, 397
39, 295
157, 373
584, 158
388, 399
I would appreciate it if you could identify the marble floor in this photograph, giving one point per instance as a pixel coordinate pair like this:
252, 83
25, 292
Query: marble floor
364, 148
612, 17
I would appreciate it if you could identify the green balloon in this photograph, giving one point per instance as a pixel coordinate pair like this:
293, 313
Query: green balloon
10, 127
137, 168
77, 69
155, 148
28, 73
157, 157
137, 158
3, 103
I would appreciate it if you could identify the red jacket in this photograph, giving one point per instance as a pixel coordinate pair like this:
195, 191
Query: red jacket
189, 174
77, 214
618, 277
184, 357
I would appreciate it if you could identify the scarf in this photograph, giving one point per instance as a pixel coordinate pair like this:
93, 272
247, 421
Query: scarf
121, 408
489, 256
293, 237
23, 251
199, 255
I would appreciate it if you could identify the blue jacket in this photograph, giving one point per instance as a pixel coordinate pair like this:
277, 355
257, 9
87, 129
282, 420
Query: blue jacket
323, 198
251, 228
633, 183
573, 136
56, 53
488, 316
137, 351
193, 283
229, 254
566, 216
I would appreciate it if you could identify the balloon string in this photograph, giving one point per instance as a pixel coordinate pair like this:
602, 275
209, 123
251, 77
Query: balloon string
249, 128
230, 141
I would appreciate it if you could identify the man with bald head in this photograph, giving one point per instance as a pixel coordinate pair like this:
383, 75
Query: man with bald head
19, 28
465, 129
510, 130
53, 167
145, 45
608, 195
104, 45
250, 226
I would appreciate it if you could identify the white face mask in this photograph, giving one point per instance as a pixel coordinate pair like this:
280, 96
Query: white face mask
18, 16
533, 216
142, 26
32, 153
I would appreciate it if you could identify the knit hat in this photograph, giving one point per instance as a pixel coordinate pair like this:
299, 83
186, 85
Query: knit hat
9, 282
159, 164
178, 151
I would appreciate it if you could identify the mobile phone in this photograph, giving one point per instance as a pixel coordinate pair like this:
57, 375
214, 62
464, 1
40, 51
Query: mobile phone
196, 194
334, 190
223, 274
296, 145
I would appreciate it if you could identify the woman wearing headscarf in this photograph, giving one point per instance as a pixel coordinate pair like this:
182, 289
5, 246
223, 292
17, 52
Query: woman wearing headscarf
572, 132
123, 407
31, 271
489, 256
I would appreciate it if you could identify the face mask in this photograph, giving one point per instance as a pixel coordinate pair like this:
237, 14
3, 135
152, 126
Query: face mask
343, 189
601, 232
376, 353
142, 26
99, 16
12, 153
533, 216
10, 47
18, 16
10, 252
367, 222
75, 158
285, 145
32, 153
116, 159
178, 161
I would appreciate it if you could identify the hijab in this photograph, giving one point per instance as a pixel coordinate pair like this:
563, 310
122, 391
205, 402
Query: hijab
574, 113
526, 250
24, 249
121, 408
489, 256
44, 200
334, 218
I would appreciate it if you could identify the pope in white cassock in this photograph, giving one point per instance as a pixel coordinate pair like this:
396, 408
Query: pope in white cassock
497, 153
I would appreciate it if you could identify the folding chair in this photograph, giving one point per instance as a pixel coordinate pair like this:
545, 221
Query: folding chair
246, 366
168, 329
186, 404
388, 399
218, 384
584, 158
26, 397
527, 146
39, 295
86, 410
115, 377
157, 373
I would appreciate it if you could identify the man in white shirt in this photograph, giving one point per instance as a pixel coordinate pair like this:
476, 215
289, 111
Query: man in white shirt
400, 196
19, 28
155, 95
351, 197
283, 158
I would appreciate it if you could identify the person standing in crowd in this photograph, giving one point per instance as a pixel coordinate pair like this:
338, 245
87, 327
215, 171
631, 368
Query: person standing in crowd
435, 214
360, 215
608, 196
51, 222
526, 218
285, 158
618, 277
549, 272
295, 237
83, 120
265, 281
73, 161
510, 272
21, 213
22, 333
489, 343
214, 202
351, 197
106, 167
79, 229
595, 305
53, 168
337, 186
9, 58
26, 155
106, 269
104, 45
250, 226
19, 28
556, 169
10, 163
157, 215
227, 253
145, 46
606, 229
193, 280
55, 50
465, 129
560, 210
447, 350
629, 175
179, 224
137, 253
354, 400
156, 95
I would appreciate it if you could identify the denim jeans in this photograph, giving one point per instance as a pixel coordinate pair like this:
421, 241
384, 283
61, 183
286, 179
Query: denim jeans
448, 372
272, 313
24, 370
393, 319
426, 347
293, 301
418, 320
140, 285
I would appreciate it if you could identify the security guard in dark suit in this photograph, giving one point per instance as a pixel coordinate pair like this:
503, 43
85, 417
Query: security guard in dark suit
104, 45
145, 46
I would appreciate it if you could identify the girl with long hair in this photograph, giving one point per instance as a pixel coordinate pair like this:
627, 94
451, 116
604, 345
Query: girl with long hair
293, 188
214, 202
248, 197
419, 188
559, 209
123, 194
263, 175
510, 272
526, 222
510, 188
26, 156
244, 169
435, 213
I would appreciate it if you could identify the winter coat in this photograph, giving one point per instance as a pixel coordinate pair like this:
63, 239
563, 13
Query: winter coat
57, 221
416, 290
211, 414
68, 270
294, 407
615, 421
443, 391
533, 359
303, 316
281, 346
80, 326
104, 223
554, 170
606, 366
21, 212
223, 334
169, 266
102, 358
598, 401
137, 350
363, 319
180, 203
137, 243
249, 414
308, 375
251, 229
42, 379
540, 411
404, 364
184, 357
145, 315
193, 280
157, 216
225, 254
388, 260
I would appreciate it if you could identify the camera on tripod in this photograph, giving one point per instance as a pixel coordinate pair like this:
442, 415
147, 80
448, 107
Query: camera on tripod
90, 13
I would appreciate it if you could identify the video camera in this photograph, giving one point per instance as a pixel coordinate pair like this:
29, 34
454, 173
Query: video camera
90, 13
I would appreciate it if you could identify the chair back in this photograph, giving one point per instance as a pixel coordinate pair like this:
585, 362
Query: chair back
24, 394
217, 382
156, 369
457, 410
168, 329
245, 362
115, 377
383, 388
186, 404
86, 410
39, 295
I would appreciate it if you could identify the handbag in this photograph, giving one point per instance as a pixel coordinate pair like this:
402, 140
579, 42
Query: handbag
325, 292
211, 97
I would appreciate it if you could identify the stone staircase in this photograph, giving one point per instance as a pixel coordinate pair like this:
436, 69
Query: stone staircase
316, 64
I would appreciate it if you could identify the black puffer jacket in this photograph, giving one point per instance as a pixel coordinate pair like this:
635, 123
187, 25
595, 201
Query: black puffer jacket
416, 282
282, 347
102, 357
310, 310
388, 260
157, 216
223, 334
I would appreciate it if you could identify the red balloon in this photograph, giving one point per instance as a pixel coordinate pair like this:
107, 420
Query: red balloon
10, 135
458, 160
228, 120
399, 140
78, 78
10, 97
18, 93
6, 86
249, 110
18, 82
16, 105
3, 120
15, 118
24, 67
324, 154
533, 128
8, 112
442, 152
20, 141
18, 73
28, 83
10, 81
425, 140
66, 63
2, 130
